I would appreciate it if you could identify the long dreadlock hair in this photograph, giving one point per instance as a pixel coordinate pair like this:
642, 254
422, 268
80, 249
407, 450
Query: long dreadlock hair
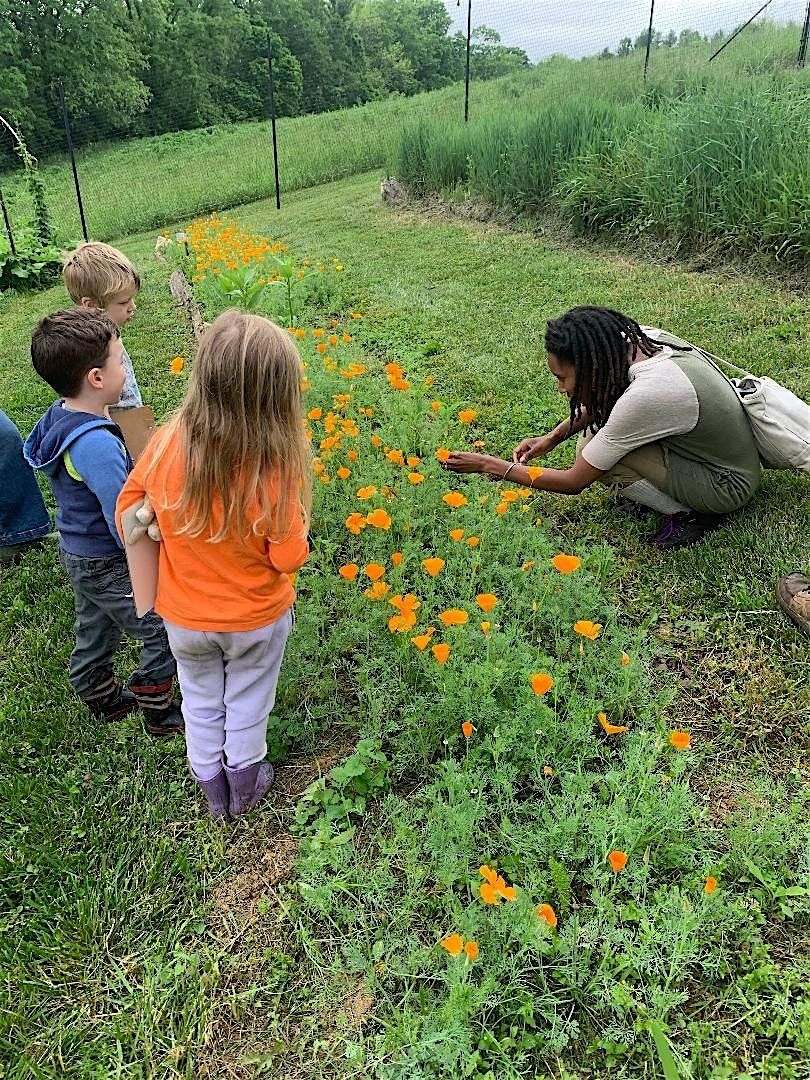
597, 342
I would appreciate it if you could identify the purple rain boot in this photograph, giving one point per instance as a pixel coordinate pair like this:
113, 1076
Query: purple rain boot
685, 529
248, 786
217, 794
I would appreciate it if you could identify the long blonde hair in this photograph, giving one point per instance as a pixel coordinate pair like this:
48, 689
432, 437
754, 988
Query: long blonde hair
240, 425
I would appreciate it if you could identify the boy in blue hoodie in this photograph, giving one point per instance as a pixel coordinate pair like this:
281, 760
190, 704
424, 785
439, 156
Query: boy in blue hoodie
82, 452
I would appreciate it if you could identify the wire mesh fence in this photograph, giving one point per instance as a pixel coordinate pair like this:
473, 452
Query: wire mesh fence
184, 140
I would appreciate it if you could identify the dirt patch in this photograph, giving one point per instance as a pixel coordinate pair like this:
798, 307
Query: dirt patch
249, 917
263, 849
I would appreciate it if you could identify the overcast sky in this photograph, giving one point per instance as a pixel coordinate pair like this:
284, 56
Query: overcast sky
584, 27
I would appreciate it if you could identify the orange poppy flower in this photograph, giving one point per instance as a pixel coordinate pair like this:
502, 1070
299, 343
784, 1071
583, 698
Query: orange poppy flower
467, 729
399, 624
588, 629
376, 440
529, 565
355, 523
317, 333
344, 473
509, 496
379, 519
486, 601
453, 943
541, 683
415, 477
534, 472
710, 885
321, 347
346, 338
501, 508
349, 571
315, 414
547, 770
300, 333
413, 460
408, 602
433, 566
466, 416
625, 659
566, 564
473, 541
378, 591
494, 888
547, 913
423, 640
400, 384
608, 728
456, 534
351, 455
443, 454
471, 949
397, 557
617, 860
454, 617
454, 499
435, 405
681, 740
177, 365
396, 457
355, 315
374, 570
441, 652
333, 340
394, 371
366, 492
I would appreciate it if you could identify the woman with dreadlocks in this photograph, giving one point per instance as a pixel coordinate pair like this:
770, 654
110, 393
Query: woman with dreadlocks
656, 421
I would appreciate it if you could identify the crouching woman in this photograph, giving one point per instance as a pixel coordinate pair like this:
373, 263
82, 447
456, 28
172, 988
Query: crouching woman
655, 420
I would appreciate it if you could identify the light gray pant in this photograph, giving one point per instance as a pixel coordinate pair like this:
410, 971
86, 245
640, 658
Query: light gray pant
229, 689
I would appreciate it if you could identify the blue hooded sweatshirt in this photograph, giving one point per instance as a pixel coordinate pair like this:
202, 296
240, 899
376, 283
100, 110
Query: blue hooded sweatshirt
87, 463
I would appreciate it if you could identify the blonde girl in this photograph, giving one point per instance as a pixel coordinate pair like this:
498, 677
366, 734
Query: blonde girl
229, 480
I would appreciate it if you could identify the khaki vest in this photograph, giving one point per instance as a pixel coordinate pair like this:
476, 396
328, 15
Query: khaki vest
715, 467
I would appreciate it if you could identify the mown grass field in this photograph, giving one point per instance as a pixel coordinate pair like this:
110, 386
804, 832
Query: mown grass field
142, 941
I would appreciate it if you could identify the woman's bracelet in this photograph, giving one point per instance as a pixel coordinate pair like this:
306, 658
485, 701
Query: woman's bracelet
514, 463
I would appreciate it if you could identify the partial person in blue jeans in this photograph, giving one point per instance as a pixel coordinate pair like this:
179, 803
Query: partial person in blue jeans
23, 517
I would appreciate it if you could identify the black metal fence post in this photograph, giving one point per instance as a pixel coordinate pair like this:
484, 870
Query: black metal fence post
273, 117
800, 62
467, 70
649, 40
7, 224
72, 158
739, 30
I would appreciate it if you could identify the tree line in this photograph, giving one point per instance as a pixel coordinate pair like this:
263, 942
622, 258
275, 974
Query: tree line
142, 67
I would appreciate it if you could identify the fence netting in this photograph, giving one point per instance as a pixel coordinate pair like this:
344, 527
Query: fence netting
168, 113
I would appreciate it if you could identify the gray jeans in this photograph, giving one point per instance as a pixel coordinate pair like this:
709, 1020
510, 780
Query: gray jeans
105, 612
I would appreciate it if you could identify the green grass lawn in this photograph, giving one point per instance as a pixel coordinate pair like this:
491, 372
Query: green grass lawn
141, 941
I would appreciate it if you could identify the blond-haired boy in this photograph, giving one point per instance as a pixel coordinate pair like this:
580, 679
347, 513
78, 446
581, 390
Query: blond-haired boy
100, 276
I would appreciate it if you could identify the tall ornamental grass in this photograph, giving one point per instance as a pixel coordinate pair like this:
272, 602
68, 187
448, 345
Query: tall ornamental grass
726, 168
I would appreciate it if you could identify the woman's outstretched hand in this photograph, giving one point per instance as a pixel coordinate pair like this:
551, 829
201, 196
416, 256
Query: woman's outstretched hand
462, 462
532, 448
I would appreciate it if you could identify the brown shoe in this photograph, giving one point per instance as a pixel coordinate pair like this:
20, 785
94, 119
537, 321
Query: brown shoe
793, 593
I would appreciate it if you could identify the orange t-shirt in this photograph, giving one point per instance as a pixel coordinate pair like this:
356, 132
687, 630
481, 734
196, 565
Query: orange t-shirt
240, 583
